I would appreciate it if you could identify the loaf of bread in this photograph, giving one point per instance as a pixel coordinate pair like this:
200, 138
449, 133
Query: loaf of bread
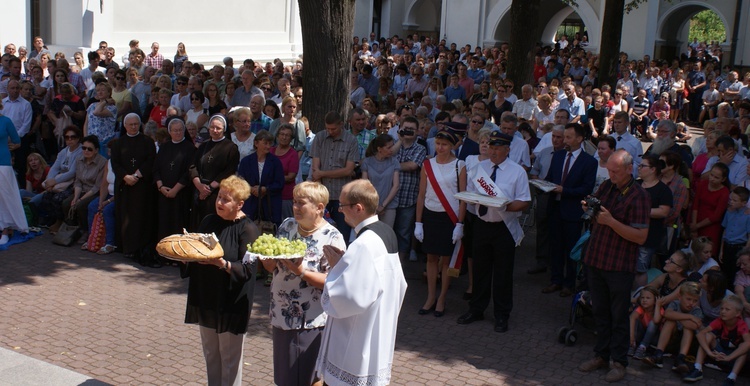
190, 247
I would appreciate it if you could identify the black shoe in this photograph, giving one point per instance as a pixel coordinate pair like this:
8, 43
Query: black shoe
439, 314
469, 318
423, 311
501, 325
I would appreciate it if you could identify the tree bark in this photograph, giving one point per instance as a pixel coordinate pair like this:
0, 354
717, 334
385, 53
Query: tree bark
327, 28
524, 34
609, 54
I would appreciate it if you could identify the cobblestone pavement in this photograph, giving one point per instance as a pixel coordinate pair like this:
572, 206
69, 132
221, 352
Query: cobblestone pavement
112, 320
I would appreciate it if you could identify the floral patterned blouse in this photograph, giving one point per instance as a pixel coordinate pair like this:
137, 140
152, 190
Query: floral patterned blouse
295, 304
102, 127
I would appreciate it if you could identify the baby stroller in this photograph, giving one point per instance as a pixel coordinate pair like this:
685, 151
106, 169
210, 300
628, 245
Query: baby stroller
580, 308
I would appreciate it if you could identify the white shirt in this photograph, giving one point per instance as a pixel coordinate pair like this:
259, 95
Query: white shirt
544, 142
511, 179
737, 168
519, 152
86, 74
19, 112
632, 145
525, 108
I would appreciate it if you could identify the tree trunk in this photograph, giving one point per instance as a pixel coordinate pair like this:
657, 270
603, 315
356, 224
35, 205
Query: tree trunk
609, 54
327, 29
524, 34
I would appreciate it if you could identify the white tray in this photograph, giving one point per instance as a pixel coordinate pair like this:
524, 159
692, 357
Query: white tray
279, 257
544, 185
476, 198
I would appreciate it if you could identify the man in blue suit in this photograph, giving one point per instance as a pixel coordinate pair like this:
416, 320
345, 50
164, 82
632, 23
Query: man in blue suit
574, 172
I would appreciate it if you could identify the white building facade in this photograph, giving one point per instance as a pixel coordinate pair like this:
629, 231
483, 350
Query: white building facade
264, 30
261, 30
657, 28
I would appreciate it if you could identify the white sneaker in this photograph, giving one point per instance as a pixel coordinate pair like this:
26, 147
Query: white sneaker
4, 239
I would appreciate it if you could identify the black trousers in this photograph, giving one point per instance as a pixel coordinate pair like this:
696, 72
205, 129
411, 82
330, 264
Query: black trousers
494, 254
610, 299
729, 261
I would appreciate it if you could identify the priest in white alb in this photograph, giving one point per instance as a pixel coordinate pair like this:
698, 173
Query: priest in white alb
362, 296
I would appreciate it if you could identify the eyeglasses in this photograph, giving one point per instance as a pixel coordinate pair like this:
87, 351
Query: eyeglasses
181, 83
265, 88
345, 205
120, 77
86, 148
641, 166
71, 137
195, 99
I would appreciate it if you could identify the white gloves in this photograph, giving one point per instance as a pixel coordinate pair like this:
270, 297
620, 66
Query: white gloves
458, 232
418, 231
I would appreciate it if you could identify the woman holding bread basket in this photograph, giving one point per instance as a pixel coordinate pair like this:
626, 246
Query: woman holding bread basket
220, 291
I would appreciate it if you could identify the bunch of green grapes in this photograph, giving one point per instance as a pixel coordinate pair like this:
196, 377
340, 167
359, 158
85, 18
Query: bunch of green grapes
268, 245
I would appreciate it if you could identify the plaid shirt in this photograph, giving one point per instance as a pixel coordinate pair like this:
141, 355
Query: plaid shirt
153, 61
408, 187
333, 154
631, 206
262, 123
679, 198
363, 140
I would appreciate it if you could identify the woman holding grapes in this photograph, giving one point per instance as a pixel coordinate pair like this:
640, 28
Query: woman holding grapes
297, 316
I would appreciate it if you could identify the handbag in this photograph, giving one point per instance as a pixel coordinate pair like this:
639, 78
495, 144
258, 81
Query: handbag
60, 125
68, 234
265, 227
98, 235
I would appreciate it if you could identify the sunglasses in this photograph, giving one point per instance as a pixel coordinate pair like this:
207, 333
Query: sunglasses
181, 83
477, 122
265, 88
71, 137
86, 148
195, 99
120, 78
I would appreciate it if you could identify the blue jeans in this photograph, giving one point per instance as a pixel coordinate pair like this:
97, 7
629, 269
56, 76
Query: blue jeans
338, 218
404, 227
109, 218
36, 200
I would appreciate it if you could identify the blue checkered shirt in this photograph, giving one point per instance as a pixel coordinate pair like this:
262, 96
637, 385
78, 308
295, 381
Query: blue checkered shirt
409, 181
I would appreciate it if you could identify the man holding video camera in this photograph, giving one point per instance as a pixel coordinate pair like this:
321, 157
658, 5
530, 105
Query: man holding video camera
620, 225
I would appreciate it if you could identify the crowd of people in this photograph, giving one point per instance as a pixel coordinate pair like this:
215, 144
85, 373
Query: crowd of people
157, 145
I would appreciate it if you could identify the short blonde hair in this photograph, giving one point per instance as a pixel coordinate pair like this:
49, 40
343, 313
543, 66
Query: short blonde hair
236, 187
316, 192
734, 301
690, 288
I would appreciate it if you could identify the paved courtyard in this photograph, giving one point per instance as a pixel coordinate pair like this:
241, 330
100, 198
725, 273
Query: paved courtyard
119, 323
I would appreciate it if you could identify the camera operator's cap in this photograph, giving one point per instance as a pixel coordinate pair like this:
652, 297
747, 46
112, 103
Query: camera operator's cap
448, 135
457, 127
498, 138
